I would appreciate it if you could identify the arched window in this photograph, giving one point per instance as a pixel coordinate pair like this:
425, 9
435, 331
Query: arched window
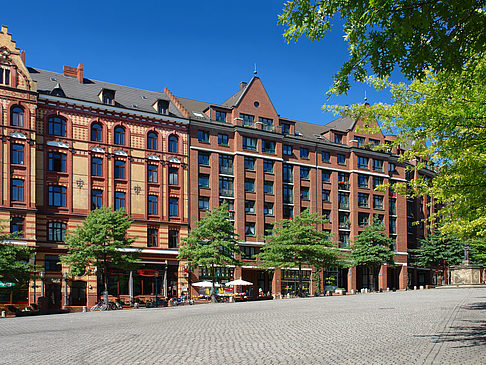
17, 117
57, 126
96, 132
120, 136
173, 143
152, 141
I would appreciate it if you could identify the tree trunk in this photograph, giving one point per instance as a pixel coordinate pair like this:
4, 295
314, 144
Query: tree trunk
213, 288
105, 280
300, 292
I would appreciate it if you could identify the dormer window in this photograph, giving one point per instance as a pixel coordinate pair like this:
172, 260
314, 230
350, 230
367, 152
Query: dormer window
220, 116
107, 96
285, 128
338, 138
162, 106
4, 76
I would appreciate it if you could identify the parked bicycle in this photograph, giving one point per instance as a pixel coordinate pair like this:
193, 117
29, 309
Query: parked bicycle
101, 306
156, 303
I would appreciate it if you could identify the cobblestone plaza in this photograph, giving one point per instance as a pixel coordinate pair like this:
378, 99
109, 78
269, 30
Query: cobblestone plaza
415, 327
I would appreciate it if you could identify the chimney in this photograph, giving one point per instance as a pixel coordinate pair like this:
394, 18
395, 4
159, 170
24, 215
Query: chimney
74, 72
243, 85
22, 56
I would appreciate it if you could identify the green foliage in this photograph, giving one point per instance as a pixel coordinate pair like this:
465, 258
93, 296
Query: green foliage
371, 248
14, 259
100, 242
478, 250
383, 34
212, 242
438, 250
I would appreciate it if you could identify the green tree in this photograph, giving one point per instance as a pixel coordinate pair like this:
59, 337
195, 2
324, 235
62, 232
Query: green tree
100, 242
413, 35
478, 250
14, 259
298, 242
371, 249
212, 243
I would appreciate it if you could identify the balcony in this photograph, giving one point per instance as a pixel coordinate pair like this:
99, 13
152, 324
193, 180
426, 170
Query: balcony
226, 192
226, 170
343, 185
344, 205
344, 225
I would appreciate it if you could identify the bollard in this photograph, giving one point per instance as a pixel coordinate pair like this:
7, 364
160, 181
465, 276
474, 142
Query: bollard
4, 314
352, 291
85, 309
387, 289
421, 287
414, 288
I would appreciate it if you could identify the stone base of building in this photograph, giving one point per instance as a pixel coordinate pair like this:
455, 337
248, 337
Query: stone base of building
466, 274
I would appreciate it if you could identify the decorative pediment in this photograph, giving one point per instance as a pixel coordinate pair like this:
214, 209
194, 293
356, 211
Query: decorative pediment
18, 135
174, 160
97, 150
120, 153
57, 144
153, 157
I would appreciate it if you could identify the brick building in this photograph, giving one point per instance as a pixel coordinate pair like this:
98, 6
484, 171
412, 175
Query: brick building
71, 144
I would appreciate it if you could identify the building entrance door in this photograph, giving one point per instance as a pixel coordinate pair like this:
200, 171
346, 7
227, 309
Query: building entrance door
78, 293
53, 295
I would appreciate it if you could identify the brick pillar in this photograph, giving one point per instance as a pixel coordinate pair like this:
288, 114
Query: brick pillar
276, 284
403, 279
352, 279
238, 273
383, 277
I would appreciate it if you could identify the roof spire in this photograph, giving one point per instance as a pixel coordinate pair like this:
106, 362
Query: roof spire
366, 99
255, 71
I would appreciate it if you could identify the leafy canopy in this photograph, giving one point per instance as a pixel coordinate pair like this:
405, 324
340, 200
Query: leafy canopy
14, 259
298, 241
213, 241
383, 34
371, 248
100, 241
437, 250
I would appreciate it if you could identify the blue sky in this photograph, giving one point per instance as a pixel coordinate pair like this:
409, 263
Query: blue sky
198, 49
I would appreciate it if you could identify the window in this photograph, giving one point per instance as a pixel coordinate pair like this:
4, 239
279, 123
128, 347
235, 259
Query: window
223, 139
173, 238
374, 142
377, 181
343, 219
362, 200
152, 237
392, 204
377, 165
393, 226
56, 231
363, 162
268, 208
119, 169
203, 203
52, 263
203, 136
96, 199
203, 158
268, 187
173, 207
153, 201
288, 211
391, 167
152, 141
152, 173
343, 239
249, 163
173, 143
326, 176
249, 252
363, 181
268, 166
268, 146
377, 201
17, 190
57, 162
4, 76
119, 200
360, 140
203, 181
326, 214
250, 229
173, 176
225, 186
285, 128
108, 97
287, 150
343, 200
17, 152
304, 172
162, 106
17, 116
220, 116
363, 219
287, 193
304, 193
96, 166
325, 156
17, 227
287, 173
249, 143
341, 159
248, 120
250, 185
326, 195
226, 164
57, 126
96, 132
250, 206
338, 138
120, 136
304, 152
267, 124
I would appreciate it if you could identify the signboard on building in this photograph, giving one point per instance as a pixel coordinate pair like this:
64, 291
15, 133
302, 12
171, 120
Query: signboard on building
6, 285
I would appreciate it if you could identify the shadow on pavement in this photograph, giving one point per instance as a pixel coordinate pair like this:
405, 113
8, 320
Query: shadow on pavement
470, 334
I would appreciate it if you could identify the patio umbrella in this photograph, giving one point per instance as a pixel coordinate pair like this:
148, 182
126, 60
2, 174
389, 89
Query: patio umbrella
206, 284
238, 282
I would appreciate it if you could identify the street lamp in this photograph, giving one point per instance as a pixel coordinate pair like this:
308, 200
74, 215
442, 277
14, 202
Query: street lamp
42, 276
65, 277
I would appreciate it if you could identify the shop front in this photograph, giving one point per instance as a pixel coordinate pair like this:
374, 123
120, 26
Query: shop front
290, 282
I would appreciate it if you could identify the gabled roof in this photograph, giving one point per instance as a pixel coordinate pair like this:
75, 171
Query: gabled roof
341, 124
235, 99
88, 90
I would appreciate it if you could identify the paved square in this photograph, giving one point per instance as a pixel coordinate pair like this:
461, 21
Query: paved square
439, 326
